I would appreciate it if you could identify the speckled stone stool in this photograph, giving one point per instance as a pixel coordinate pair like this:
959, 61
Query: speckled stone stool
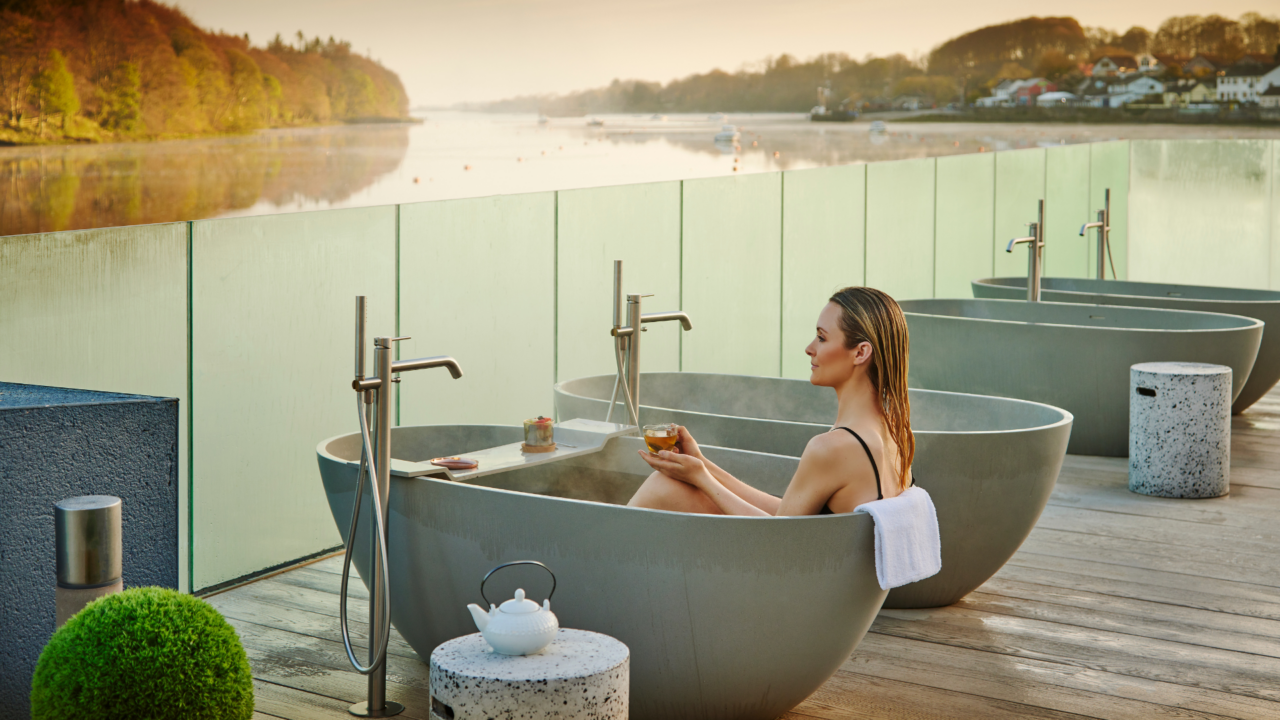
1180, 429
580, 675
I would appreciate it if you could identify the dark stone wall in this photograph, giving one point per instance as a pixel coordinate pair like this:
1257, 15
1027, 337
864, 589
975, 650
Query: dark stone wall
57, 443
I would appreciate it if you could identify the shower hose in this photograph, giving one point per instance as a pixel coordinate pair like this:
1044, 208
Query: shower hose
621, 382
366, 459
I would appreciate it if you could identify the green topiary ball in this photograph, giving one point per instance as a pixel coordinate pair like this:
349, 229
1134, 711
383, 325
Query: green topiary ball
144, 653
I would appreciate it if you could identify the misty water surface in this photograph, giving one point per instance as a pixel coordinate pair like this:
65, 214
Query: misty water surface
456, 155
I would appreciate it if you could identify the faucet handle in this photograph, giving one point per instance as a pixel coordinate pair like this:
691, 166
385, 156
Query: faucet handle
385, 342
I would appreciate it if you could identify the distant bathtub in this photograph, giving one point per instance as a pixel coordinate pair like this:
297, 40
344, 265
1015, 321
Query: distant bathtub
726, 618
989, 463
1072, 356
1263, 305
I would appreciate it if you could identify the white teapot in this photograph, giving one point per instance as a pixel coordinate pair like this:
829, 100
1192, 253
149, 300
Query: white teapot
519, 626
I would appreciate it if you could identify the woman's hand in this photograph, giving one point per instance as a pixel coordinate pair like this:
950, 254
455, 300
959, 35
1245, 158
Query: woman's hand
684, 466
687, 444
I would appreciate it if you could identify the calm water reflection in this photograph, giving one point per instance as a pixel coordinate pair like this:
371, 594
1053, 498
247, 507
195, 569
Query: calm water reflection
455, 155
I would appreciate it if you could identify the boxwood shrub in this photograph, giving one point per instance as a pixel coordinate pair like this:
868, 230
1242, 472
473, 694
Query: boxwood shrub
144, 653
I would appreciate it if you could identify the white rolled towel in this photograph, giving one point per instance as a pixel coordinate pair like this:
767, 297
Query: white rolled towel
908, 547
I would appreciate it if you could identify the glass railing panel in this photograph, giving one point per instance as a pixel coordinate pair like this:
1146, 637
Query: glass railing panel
732, 275
101, 310
900, 227
1019, 187
964, 222
1109, 169
273, 311
823, 224
1066, 192
1274, 181
640, 225
1198, 212
477, 281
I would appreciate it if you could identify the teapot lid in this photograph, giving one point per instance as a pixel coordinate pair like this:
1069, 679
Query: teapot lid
519, 605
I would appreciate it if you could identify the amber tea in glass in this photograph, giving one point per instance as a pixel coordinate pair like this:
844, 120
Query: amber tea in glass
661, 437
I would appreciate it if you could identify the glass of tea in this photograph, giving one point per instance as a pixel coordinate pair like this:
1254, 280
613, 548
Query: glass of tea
661, 437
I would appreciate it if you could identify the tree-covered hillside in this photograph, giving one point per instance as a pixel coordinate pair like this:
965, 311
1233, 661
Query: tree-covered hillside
121, 69
1058, 48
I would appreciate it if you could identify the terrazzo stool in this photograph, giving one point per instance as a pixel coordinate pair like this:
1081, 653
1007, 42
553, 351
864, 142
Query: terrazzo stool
1180, 429
580, 674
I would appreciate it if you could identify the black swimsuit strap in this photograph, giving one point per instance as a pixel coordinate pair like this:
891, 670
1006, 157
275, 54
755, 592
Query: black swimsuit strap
876, 470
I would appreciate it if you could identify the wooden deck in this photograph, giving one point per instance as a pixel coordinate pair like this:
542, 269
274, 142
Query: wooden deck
1117, 606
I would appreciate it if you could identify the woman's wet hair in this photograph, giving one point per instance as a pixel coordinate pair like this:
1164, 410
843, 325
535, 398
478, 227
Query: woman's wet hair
871, 316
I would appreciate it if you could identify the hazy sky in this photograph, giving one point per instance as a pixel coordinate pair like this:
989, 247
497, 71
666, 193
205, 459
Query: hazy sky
448, 51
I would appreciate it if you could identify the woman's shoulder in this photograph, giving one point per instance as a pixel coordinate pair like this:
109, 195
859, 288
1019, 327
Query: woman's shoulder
833, 447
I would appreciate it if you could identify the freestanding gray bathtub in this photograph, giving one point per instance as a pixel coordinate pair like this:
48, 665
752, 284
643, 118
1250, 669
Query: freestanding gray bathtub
989, 463
1072, 356
726, 617
1262, 305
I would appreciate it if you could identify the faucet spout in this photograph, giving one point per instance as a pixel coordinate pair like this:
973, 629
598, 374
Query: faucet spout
1085, 227
683, 317
1019, 241
427, 363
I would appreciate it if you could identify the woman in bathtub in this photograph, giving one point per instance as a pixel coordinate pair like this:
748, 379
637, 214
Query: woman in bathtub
860, 351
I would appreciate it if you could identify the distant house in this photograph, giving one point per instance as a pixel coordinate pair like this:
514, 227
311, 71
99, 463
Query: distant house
1026, 95
1203, 64
1168, 61
1055, 99
1243, 82
1270, 98
1113, 65
911, 102
1148, 63
1140, 86
1186, 92
1007, 93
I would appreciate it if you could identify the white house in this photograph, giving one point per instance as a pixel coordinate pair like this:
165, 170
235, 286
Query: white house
1244, 82
1139, 86
1006, 93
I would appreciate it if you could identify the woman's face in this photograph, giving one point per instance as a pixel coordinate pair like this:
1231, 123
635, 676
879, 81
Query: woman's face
831, 364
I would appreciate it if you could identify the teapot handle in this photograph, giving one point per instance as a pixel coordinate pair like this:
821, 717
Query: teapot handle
517, 562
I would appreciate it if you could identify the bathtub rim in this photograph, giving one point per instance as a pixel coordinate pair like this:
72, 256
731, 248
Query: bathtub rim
1065, 417
321, 451
1247, 323
995, 282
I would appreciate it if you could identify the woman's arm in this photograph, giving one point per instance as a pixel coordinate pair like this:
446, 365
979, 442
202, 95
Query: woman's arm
693, 471
759, 498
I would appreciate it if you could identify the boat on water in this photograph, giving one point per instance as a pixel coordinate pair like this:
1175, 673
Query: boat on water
595, 122
728, 134
877, 126
718, 117
656, 116
543, 120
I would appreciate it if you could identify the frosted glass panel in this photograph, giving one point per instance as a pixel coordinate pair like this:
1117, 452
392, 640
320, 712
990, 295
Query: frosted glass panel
822, 250
101, 310
273, 307
1274, 181
1066, 254
1109, 169
477, 281
900, 227
732, 276
1019, 188
1199, 212
964, 222
640, 225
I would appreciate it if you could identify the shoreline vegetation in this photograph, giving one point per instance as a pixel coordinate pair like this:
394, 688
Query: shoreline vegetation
89, 71
959, 71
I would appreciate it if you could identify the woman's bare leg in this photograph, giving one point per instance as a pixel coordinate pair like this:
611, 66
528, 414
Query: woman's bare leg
659, 492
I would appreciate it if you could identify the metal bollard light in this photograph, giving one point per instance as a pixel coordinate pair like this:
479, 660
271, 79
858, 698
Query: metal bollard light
89, 551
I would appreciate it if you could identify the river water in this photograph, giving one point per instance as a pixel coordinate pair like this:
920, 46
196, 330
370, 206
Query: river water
457, 155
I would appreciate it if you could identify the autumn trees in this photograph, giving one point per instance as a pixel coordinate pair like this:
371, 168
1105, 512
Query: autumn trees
138, 68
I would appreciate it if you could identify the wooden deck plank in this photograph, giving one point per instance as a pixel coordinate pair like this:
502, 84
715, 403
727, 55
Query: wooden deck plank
1135, 656
1053, 685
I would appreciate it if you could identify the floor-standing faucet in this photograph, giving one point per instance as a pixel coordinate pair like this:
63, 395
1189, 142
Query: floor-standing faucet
1104, 237
1035, 251
374, 399
626, 344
